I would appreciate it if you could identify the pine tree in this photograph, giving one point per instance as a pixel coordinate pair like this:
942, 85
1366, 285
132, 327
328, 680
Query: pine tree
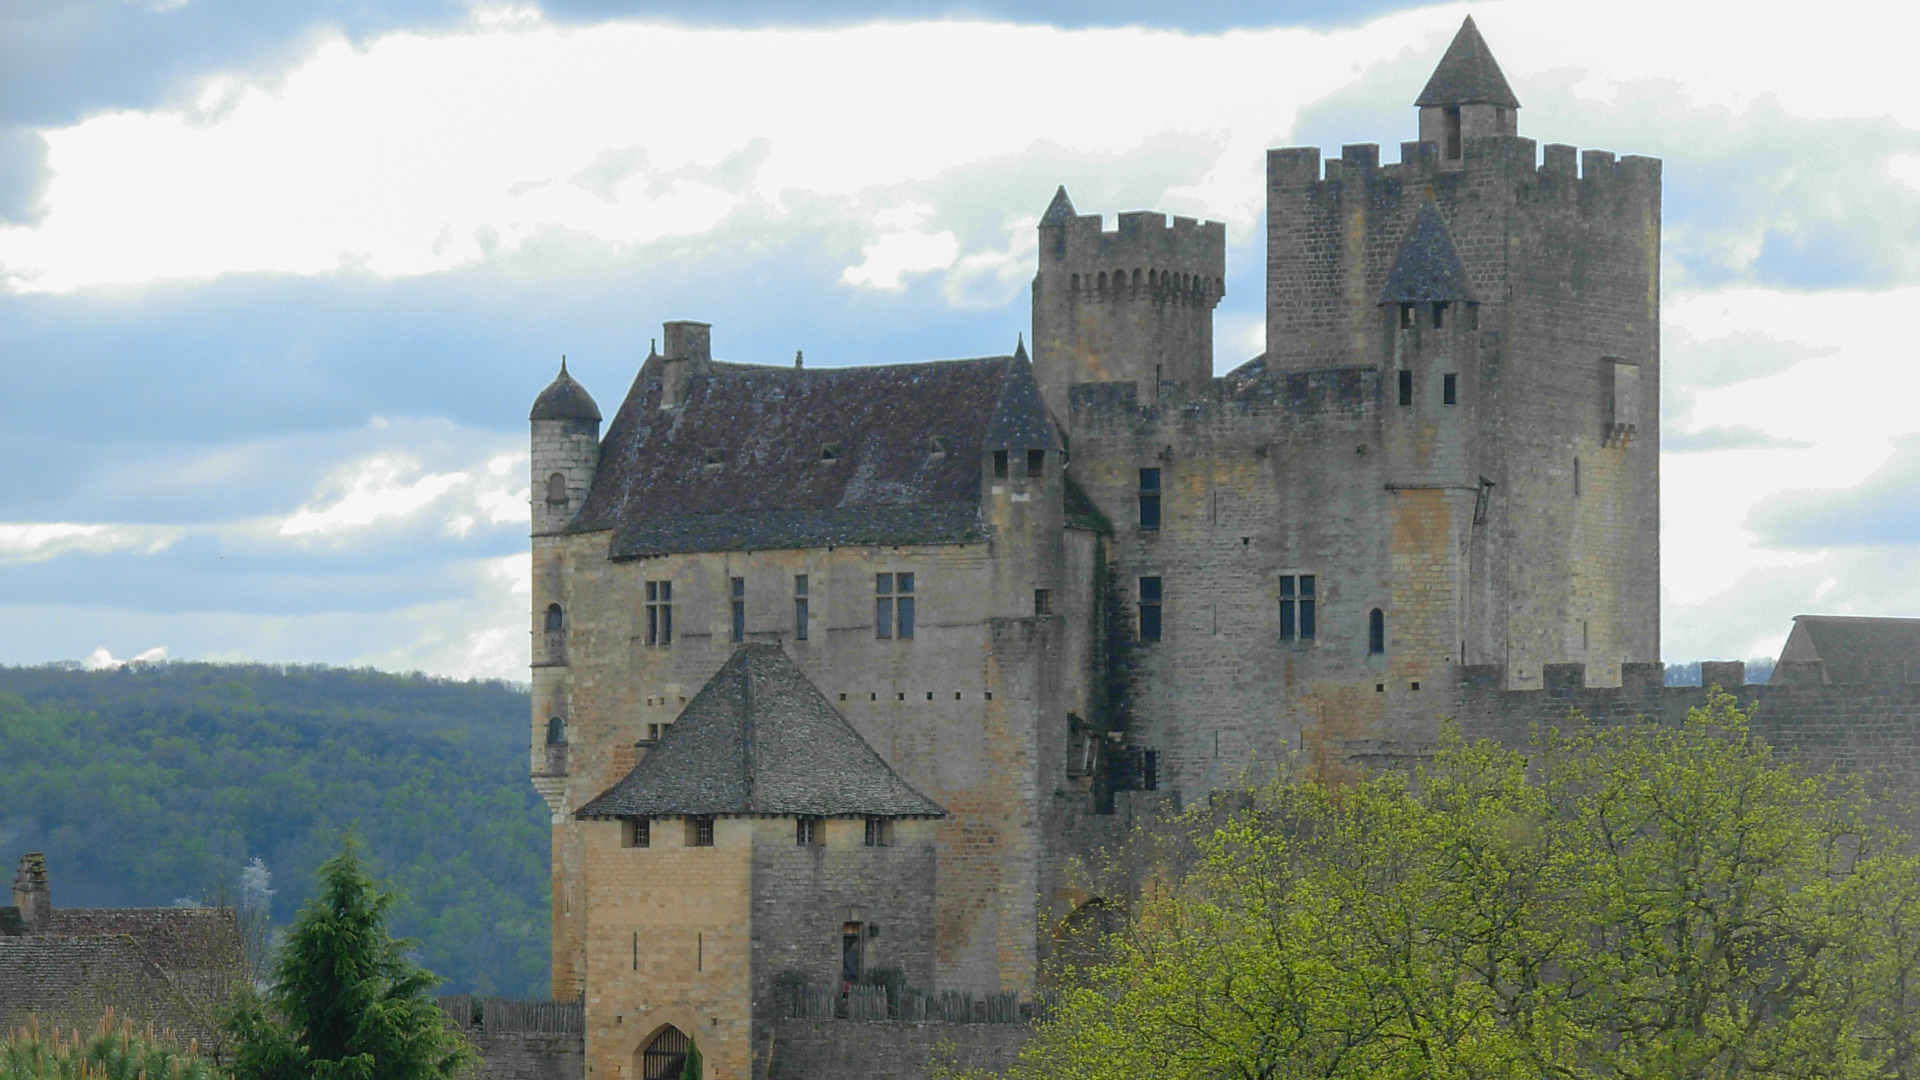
346, 1002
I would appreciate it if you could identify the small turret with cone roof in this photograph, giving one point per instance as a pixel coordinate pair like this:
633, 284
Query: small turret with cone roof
1466, 98
566, 449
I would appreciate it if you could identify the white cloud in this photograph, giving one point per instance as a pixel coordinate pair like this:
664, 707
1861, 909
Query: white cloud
36, 541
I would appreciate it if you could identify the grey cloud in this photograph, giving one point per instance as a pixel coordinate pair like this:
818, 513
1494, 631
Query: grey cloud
1738, 437
1883, 510
23, 176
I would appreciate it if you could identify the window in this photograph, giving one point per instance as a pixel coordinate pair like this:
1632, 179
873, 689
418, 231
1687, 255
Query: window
665, 1058
1149, 498
1406, 316
937, 446
1440, 316
1377, 632
1453, 132
653, 733
660, 613
1036, 464
1043, 602
893, 606
1297, 615
1149, 609
556, 731
1576, 478
556, 619
700, 831
636, 832
557, 489
1406, 388
806, 831
879, 832
737, 588
800, 607
1449, 389
850, 965
999, 464
830, 453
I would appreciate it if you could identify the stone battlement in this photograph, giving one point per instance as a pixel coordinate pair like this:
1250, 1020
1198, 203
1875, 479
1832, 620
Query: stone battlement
1145, 258
1591, 172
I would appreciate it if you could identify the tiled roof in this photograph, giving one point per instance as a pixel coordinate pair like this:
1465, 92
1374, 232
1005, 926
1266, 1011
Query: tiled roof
1857, 649
176, 939
564, 399
1427, 268
774, 457
75, 978
759, 738
1468, 74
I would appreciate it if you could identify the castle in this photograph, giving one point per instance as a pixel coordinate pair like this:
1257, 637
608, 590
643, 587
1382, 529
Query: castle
838, 670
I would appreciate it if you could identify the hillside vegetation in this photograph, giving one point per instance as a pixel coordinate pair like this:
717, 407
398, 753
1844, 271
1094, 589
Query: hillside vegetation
149, 785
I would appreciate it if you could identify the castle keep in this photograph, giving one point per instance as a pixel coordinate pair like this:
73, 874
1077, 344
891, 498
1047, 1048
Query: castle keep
839, 670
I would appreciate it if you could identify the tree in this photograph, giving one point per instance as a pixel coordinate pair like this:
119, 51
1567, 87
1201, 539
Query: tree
115, 1051
1630, 903
346, 1002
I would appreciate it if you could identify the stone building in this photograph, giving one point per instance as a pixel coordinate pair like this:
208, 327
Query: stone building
172, 967
843, 668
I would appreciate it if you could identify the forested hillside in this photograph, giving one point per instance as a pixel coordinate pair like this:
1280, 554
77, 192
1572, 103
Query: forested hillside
151, 784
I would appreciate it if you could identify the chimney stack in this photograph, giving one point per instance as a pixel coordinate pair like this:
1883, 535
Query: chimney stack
30, 893
689, 348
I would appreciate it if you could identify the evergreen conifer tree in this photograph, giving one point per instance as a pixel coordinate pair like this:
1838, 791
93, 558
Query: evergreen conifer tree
346, 1003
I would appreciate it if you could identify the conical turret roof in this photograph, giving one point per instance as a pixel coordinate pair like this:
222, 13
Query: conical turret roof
1020, 418
1060, 209
760, 739
564, 399
1468, 74
1427, 268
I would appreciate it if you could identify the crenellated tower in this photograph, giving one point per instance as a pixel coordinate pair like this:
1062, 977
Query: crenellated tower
1133, 305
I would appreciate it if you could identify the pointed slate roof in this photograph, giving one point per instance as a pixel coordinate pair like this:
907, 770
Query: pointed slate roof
760, 739
564, 399
1059, 210
1468, 74
1427, 268
1020, 418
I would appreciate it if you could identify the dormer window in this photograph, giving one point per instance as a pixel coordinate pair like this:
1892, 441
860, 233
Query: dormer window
830, 453
1036, 464
999, 464
937, 446
1440, 315
1406, 316
1453, 132
716, 458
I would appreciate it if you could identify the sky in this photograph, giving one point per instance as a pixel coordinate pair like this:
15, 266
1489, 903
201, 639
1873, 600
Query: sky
279, 282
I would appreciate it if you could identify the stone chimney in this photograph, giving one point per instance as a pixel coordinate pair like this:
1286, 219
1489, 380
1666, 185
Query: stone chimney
689, 348
30, 893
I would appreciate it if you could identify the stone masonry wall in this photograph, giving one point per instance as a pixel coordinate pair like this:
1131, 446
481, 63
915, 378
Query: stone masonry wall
889, 1050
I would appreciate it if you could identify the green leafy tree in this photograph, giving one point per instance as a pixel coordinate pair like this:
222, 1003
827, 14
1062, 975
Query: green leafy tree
1621, 903
346, 1002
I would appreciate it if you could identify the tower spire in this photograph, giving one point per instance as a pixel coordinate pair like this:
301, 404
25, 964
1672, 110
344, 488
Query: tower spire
1467, 75
1060, 209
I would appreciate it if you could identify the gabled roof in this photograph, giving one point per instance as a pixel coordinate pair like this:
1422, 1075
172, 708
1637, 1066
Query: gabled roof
762, 458
1427, 268
1468, 74
760, 739
178, 939
564, 399
65, 977
1856, 649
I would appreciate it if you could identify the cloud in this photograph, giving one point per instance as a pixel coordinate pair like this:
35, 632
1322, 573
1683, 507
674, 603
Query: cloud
1881, 511
1739, 437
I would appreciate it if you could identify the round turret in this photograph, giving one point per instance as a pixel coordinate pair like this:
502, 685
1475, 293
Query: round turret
566, 448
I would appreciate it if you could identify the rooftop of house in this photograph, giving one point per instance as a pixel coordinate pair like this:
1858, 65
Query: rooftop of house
760, 457
1854, 648
761, 739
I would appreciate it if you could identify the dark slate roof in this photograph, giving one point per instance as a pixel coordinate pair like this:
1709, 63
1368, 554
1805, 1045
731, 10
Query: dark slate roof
1468, 74
759, 738
564, 399
1857, 649
74, 978
1020, 418
1427, 267
1059, 210
177, 939
739, 465
1080, 512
